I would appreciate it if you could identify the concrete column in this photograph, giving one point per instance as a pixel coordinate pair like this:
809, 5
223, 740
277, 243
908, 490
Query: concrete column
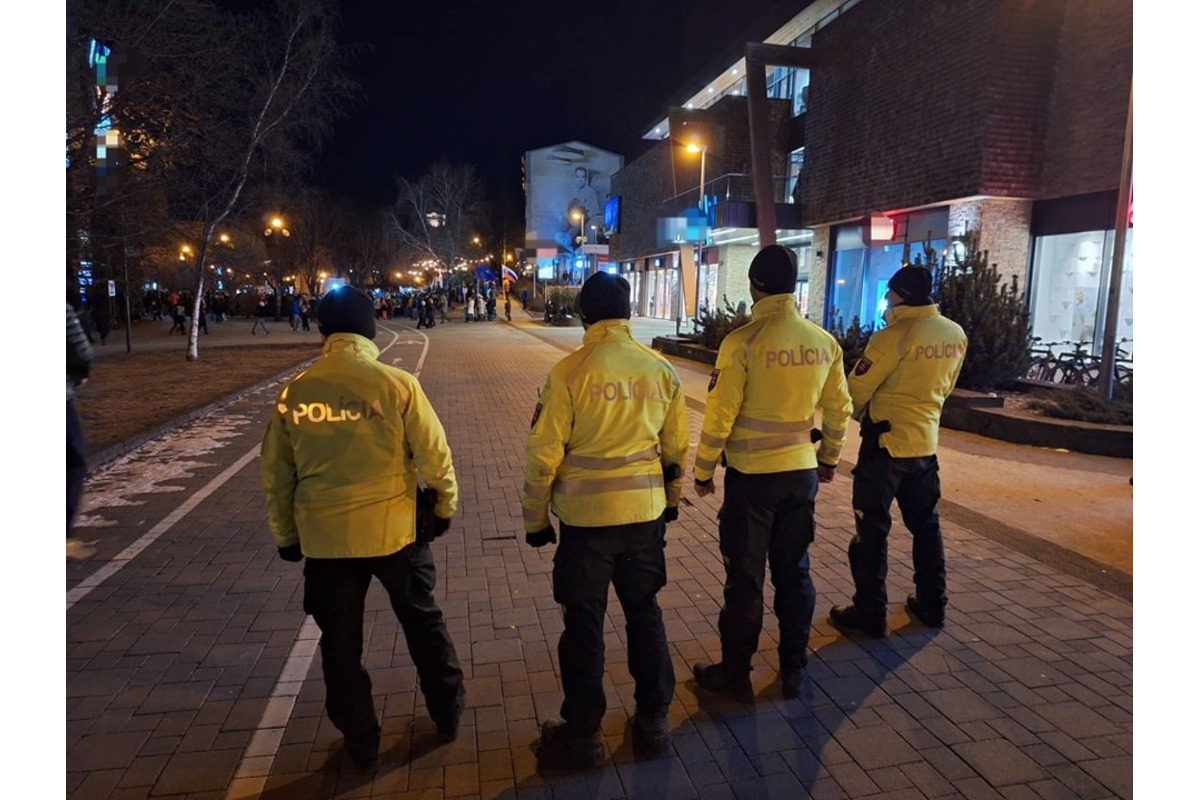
1003, 228
734, 280
818, 276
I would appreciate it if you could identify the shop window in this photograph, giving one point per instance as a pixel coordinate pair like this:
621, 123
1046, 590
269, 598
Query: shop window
860, 278
1069, 288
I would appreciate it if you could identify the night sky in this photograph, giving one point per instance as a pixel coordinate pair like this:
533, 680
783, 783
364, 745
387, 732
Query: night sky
483, 82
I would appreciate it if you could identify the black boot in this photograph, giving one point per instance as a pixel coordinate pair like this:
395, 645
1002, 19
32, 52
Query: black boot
848, 619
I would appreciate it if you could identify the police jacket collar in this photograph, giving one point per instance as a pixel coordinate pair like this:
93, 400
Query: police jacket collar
773, 304
608, 328
896, 313
350, 344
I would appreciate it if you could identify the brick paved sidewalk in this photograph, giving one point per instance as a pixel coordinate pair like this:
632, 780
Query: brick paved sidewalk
172, 661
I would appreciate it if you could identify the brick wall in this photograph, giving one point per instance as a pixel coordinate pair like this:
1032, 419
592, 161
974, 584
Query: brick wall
896, 101
926, 101
1086, 123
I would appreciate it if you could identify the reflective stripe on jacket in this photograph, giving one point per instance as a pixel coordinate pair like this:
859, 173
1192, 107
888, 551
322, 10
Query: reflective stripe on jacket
611, 415
905, 375
772, 374
342, 452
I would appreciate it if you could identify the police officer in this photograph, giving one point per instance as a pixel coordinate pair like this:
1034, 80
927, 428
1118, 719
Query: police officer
771, 376
898, 386
605, 453
340, 459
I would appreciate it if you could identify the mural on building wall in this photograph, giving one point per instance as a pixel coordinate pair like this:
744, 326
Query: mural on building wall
564, 182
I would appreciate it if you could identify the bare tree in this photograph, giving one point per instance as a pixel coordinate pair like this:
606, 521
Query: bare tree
206, 100
315, 226
371, 248
289, 88
437, 215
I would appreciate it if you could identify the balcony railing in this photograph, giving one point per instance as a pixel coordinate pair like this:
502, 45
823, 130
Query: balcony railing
727, 188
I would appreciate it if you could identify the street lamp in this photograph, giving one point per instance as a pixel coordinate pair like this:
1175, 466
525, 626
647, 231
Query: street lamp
275, 229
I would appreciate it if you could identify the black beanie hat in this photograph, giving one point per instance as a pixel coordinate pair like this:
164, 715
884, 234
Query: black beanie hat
913, 284
604, 296
773, 270
346, 309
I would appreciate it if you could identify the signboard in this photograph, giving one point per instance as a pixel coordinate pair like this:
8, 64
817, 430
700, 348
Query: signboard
112, 288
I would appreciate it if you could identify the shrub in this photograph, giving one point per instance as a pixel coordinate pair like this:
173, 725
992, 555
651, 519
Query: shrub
713, 326
991, 311
562, 305
853, 340
1083, 405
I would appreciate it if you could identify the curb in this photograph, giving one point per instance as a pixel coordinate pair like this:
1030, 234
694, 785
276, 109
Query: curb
113, 452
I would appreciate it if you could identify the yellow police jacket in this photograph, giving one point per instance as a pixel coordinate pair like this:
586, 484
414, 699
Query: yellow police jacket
771, 376
905, 375
342, 452
611, 416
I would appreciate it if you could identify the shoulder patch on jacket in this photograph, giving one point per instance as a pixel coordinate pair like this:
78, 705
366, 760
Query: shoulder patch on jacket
712, 380
537, 412
862, 366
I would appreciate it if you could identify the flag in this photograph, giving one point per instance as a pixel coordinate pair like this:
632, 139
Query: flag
484, 273
510, 275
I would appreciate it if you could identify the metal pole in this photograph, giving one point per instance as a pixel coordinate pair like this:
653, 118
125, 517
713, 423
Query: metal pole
704, 233
1113, 308
128, 315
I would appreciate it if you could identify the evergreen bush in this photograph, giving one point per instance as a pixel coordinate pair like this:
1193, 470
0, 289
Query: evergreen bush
563, 304
991, 311
853, 340
712, 326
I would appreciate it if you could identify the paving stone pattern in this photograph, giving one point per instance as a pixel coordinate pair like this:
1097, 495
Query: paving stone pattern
1026, 693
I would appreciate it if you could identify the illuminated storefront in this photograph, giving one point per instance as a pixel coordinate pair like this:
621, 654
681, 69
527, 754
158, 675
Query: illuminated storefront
1071, 272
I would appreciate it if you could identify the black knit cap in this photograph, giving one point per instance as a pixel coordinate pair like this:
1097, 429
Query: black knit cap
346, 309
913, 284
604, 296
773, 270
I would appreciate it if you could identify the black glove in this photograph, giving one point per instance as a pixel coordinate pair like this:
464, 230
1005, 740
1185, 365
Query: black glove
291, 553
426, 526
541, 538
671, 513
440, 526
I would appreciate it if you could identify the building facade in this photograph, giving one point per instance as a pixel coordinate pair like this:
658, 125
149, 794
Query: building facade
915, 124
567, 186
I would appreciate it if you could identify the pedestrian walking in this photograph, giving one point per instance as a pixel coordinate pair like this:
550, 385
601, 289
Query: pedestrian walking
261, 312
469, 309
507, 308
771, 376
341, 460
294, 317
605, 453
178, 314
305, 310
79, 367
444, 305
480, 308
524, 299
899, 387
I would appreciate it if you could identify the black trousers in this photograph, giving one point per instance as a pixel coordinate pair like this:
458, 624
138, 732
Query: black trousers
767, 517
76, 463
915, 486
335, 591
632, 559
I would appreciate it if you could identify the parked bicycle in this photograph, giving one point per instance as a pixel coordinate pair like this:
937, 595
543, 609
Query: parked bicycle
1074, 364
